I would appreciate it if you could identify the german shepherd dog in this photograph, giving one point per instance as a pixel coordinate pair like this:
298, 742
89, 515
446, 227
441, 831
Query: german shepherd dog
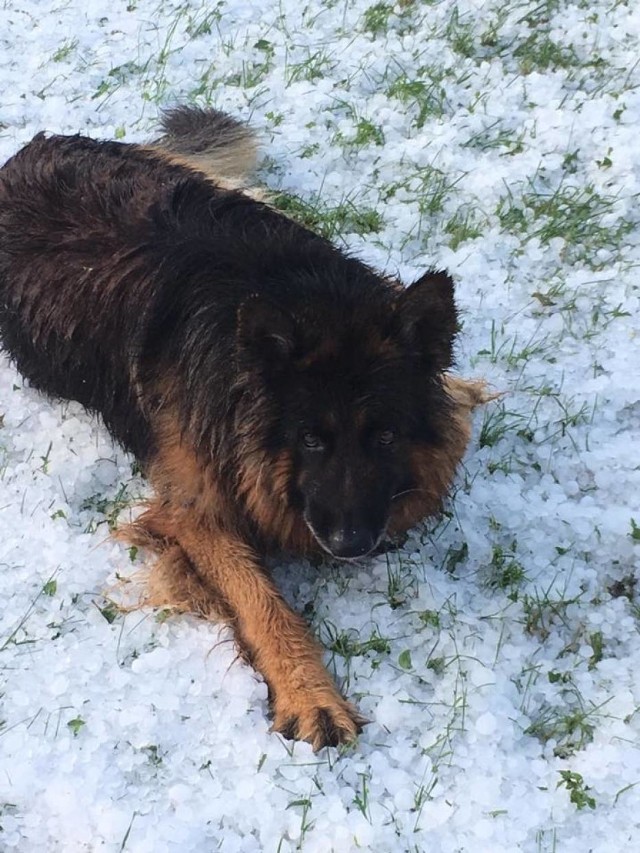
279, 394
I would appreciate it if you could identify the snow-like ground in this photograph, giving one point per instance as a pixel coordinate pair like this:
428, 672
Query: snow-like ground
497, 653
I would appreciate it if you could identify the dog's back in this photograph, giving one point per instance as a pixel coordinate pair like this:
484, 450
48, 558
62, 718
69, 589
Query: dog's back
84, 228
72, 237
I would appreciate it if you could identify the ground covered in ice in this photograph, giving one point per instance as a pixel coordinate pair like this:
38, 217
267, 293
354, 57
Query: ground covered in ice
497, 653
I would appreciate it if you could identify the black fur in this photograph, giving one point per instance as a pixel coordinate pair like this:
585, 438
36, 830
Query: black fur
119, 268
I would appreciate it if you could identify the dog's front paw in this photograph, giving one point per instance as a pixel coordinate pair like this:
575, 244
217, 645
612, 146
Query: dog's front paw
324, 719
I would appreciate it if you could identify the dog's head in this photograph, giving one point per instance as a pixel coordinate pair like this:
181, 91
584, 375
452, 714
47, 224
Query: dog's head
352, 386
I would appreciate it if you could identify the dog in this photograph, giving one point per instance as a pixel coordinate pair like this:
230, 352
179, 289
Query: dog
279, 394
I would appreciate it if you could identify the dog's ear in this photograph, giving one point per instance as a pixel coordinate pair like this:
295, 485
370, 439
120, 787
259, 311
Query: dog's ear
428, 318
265, 331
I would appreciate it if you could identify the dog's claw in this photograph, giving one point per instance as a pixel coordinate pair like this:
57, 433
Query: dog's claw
322, 723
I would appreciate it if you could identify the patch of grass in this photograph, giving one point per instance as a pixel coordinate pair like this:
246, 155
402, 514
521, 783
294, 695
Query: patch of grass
573, 413
539, 52
327, 220
433, 189
464, 225
375, 19
424, 92
110, 612
571, 729
65, 50
624, 588
274, 117
428, 188
110, 508
347, 644
361, 798
437, 665
204, 25
542, 612
498, 422
46, 459
460, 35
455, 556
314, 67
305, 824
574, 783
504, 571
76, 725
253, 73
596, 641
401, 580
368, 133
153, 754
496, 136
576, 215
50, 587
404, 660
19, 636
118, 76
430, 618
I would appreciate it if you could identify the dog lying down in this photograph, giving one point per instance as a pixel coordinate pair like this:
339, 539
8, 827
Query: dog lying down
279, 394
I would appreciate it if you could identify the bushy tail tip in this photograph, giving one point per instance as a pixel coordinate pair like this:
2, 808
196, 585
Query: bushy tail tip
209, 140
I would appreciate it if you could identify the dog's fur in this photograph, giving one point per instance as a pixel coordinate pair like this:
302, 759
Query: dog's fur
279, 394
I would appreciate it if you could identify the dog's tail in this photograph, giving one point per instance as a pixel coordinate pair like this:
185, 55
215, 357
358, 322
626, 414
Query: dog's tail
208, 140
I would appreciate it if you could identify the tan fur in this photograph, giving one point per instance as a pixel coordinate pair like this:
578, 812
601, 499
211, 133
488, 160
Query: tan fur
434, 467
276, 640
264, 485
227, 168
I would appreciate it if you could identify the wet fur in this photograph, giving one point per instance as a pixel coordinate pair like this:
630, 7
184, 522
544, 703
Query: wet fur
139, 281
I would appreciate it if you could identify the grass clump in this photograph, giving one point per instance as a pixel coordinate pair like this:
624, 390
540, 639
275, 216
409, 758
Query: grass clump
574, 783
576, 215
375, 20
463, 226
347, 644
109, 508
423, 92
329, 221
505, 572
569, 729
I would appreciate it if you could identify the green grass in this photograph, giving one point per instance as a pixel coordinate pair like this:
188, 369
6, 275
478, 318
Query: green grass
423, 92
65, 50
316, 65
461, 35
107, 510
505, 572
376, 18
347, 644
570, 729
331, 221
576, 215
578, 791
465, 224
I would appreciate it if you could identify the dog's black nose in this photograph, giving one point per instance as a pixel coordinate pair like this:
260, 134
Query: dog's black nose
350, 543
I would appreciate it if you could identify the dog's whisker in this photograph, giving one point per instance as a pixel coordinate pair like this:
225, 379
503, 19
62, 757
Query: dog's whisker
406, 492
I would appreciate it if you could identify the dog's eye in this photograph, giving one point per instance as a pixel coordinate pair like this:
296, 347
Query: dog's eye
312, 442
386, 437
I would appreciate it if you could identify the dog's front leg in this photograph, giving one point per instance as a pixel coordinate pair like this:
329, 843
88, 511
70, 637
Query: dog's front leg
304, 698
